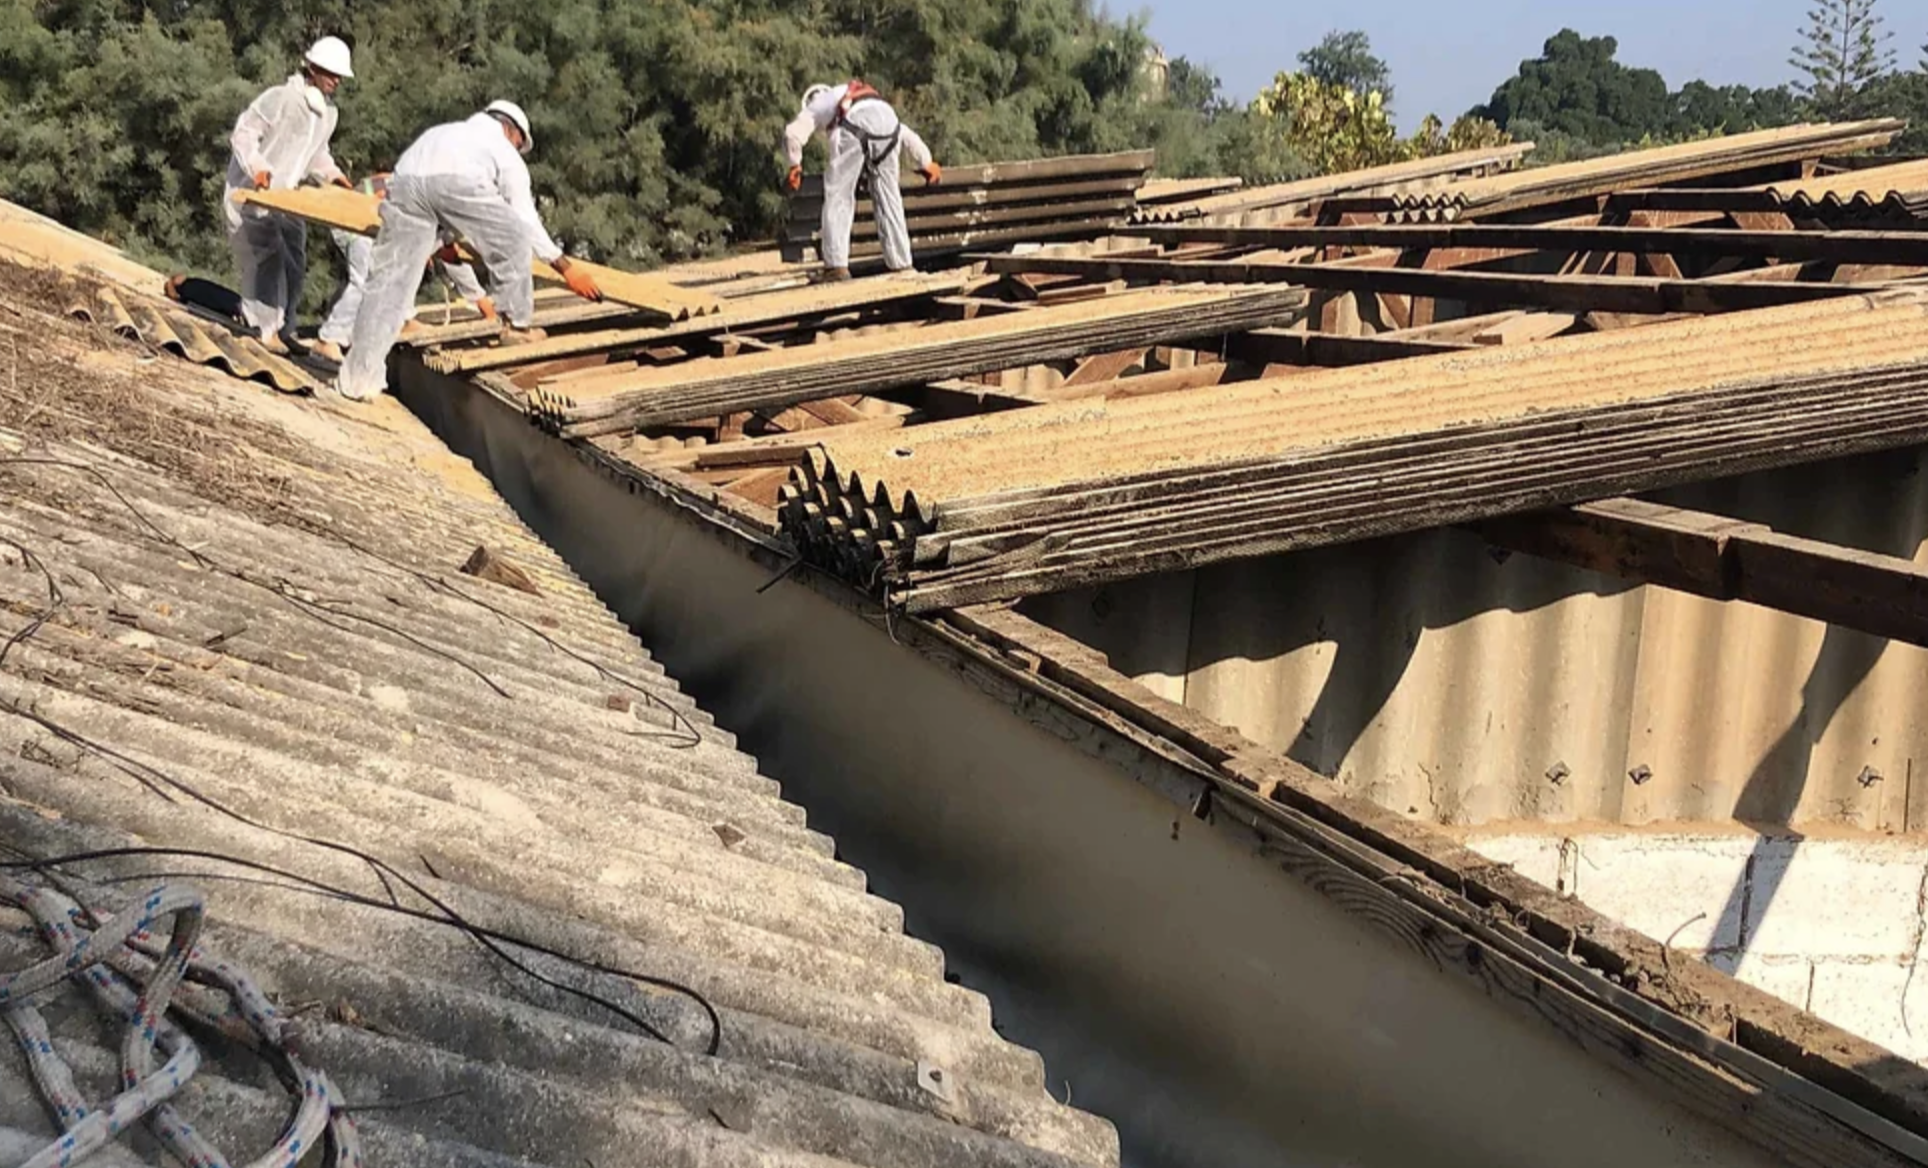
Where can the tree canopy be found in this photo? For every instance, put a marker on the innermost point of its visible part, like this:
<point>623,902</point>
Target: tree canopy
<point>1345,60</point>
<point>1842,50</point>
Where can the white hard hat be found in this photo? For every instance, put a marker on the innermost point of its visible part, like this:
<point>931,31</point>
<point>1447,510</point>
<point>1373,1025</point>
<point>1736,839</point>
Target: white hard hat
<point>330,54</point>
<point>813,93</point>
<point>513,112</point>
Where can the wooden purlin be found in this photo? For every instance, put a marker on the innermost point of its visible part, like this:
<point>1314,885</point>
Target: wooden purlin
<point>1630,294</point>
<point>1723,558</point>
<point>870,364</point>
<point>359,213</point>
<point>792,304</point>
<point>1841,247</point>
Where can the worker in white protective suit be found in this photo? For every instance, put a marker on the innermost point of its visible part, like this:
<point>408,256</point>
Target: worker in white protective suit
<point>867,140</point>
<point>338,330</point>
<point>467,178</point>
<point>279,142</point>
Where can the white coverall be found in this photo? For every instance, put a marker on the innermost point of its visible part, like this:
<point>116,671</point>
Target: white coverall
<point>850,157</point>
<point>339,328</point>
<point>462,177</point>
<point>281,134</point>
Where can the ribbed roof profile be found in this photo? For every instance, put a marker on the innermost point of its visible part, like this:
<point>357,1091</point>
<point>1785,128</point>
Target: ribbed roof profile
<point>234,634</point>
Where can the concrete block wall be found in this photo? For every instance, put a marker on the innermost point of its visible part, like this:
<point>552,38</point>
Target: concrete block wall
<point>1834,925</point>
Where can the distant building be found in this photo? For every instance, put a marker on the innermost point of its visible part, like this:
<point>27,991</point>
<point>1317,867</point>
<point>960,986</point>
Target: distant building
<point>1157,72</point>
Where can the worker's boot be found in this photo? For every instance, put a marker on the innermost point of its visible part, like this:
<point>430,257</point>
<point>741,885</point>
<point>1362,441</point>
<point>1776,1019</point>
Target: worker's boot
<point>523,336</point>
<point>328,351</point>
<point>835,275</point>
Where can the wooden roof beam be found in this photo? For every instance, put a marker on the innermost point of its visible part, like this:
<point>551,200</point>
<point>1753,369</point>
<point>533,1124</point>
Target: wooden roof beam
<point>1559,293</point>
<point>1841,247</point>
<point>1728,559</point>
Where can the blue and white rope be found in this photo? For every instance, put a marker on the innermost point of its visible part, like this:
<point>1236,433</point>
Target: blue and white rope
<point>113,957</point>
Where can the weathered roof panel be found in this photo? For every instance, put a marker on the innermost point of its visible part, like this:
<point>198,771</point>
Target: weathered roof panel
<point>258,602</point>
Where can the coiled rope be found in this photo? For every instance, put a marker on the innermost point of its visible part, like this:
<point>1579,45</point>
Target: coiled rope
<point>139,979</point>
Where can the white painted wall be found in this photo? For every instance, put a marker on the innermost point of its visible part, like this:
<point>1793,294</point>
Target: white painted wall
<point>1834,925</point>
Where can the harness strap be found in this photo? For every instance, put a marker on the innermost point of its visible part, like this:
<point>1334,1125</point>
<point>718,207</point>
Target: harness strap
<point>877,147</point>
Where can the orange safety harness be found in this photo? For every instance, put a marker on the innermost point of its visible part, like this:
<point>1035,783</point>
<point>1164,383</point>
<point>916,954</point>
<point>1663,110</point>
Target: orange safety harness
<point>877,147</point>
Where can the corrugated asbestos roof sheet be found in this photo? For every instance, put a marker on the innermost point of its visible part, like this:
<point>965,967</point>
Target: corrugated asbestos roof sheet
<point>204,587</point>
<point>1899,191</point>
<point>1656,167</point>
<point>1295,196</point>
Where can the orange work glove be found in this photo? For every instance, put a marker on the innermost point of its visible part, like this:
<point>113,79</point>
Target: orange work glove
<point>261,180</point>
<point>486,307</point>
<point>341,180</point>
<point>933,174</point>
<point>580,282</point>
<point>794,180</point>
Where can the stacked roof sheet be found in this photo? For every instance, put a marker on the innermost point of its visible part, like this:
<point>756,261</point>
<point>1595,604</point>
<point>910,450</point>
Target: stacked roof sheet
<point>1290,198</point>
<point>234,629</point>
<point>1059,496</point>
<point>1876,195</point>
<point>994,204</point>
<point>1551,185</point>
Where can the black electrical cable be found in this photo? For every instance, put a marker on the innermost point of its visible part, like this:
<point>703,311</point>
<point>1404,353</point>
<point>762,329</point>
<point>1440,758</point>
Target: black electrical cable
<point>691,737</point>
<point>160,782</point>
<point>281,588</point>
<point>55,598</point>
<point>489,939</point>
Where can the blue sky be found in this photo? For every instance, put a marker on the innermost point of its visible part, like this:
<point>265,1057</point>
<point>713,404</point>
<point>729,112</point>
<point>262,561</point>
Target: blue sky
<point>1447,55</point>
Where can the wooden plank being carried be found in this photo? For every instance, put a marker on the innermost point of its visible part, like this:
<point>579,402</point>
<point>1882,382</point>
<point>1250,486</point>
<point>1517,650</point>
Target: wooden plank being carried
<point>354,211</point>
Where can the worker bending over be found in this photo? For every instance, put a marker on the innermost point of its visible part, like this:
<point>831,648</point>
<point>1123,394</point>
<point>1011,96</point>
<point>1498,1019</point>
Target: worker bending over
<point>866,140</point>
<point>338,331</point>
<point>279,142</point>
<point>467,178</point>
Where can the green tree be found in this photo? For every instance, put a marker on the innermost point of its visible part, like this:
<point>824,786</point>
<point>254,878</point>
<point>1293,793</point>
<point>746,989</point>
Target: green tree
<point>1905,96</point>
<point>655,121</point>
<point>1345,59</point>
<point>1197,132</point>
<point>1735,109</point>
<point>1328,128</point>
<point>1195,87</point>
<point>1841,52</point>
<point>1577,88</point>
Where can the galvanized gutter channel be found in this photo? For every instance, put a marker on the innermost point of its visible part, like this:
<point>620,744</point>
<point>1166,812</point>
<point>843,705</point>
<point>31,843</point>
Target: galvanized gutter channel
<point>1197,973</point>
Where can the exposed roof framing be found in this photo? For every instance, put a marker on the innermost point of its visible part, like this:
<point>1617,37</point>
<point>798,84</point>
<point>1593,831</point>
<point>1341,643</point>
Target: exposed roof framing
<point>999,509</point>
<point>1572,293</point>
<point>1728,559</point>
<point>631,399</point>
<point>1841,247</point>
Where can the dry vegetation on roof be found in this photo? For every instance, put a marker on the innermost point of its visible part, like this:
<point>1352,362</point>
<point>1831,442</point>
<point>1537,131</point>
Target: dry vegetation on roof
<point>60,383</point>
